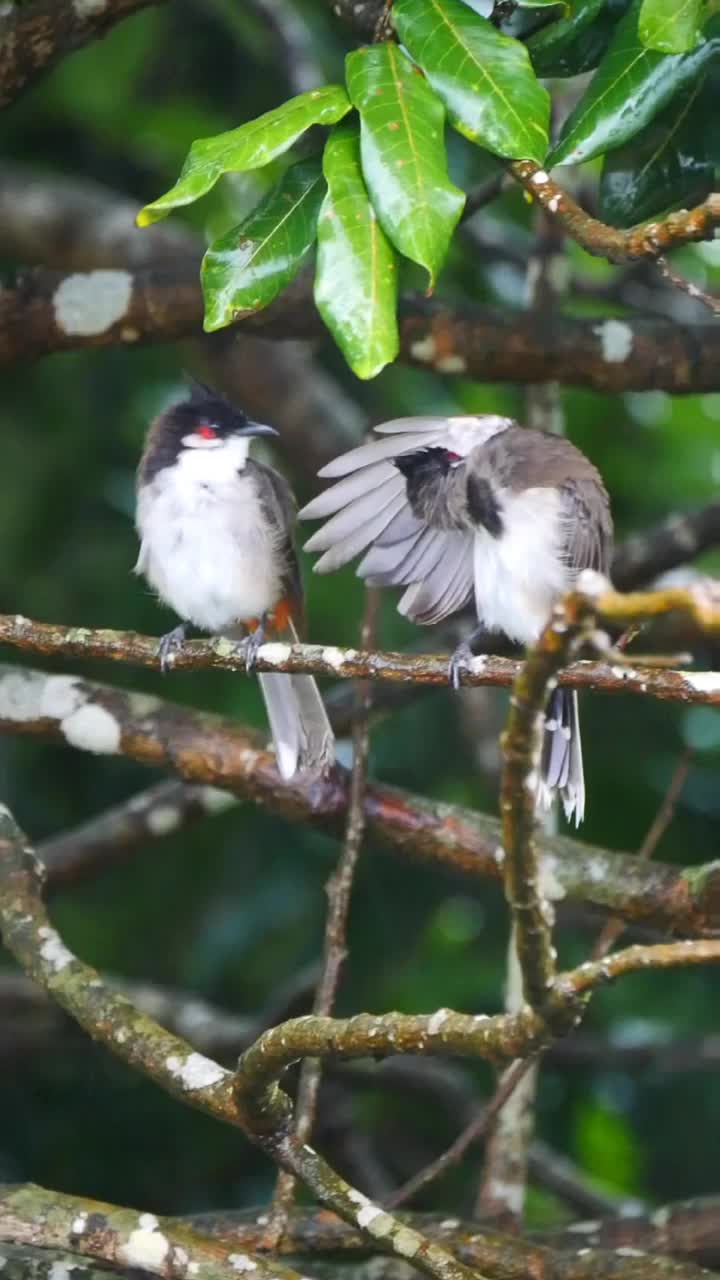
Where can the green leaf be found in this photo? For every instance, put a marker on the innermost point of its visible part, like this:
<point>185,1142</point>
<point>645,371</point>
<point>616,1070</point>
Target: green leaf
<point>484,78</point>
<point>250,146</point>
<point>574,43</point>
<point>664,167</point>
<point>356,277</point>
<point>670,26</point>
<point>402,148</point>
<point>631,85</point>
<point>245,269</point>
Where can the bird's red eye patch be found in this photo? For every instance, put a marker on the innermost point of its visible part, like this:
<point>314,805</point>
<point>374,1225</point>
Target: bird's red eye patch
<point>206,431</point>
<point>453,457</point>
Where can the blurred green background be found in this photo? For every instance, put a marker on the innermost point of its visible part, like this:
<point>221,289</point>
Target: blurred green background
<point>232,909</point>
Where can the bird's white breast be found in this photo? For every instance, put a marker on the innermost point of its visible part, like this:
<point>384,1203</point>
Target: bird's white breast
<point>207,546</point>
<point>520,574</point>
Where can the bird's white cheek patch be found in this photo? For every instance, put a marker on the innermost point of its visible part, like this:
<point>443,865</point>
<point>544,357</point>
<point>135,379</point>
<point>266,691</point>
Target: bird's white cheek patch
<point>195,441</point>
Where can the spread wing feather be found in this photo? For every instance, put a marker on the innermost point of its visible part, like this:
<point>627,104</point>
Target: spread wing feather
<point>353,486</point>
<point>369,511</point>
<point>446,588</point>
<point>376,450</point>
<point>367,508</point>
<point>355,541</point>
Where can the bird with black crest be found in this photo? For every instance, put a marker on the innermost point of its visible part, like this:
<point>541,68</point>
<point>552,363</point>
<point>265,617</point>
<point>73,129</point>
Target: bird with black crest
<point>217,545</point>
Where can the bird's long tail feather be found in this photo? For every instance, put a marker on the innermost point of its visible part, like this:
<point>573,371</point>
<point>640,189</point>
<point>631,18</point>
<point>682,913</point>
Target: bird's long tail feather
<point>301,731</point>
<point>561,762</point>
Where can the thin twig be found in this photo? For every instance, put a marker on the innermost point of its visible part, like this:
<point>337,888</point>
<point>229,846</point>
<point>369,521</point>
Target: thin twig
<point>614,928</point>
<point>339,889</point>
<point>478,1128</point>
<point>686,286</point>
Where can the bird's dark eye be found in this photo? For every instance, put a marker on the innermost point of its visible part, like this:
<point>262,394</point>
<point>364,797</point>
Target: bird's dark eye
<point>206,431</point>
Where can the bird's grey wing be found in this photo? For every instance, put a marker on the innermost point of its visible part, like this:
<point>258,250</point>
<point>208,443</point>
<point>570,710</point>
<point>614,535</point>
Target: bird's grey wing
<point>588,526</point>
<point>279,507</point>
<point>369,511</point>
<point>447,587</point>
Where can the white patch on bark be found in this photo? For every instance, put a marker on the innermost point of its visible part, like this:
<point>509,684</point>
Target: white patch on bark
<point>214,800</point>
<point>91,302</point>
<point>89,8</point>
<point>703,681</point>
<point>407,1242</point>
<point>375,1221</point>
<point>165,818</point>
<point>616,340</point>
<point>336,658</point>
<point>195,1071</point>
<point>424,349</point>
<point>452,363</point>
<point>54,950</point>
<point>550,886</point>
<point>92,728</point>
<point>274,653</point>
<point>145,1248</point>
<point>510,1194</point>
<point>27,695</point>
<point>437,1021</point>
<point>241,1262</point>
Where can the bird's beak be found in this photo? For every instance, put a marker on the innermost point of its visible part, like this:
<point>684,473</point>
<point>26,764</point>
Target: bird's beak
<point>258,429</point>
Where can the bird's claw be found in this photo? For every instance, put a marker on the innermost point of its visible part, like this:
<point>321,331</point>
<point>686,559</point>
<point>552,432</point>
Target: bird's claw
<point>249,647</point>
<point>460,661</point>
<point>170,645</point>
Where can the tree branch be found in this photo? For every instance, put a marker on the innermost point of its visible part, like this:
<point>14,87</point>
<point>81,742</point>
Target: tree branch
<point>688,1230</point>
<point>108,838</point>
<point>339,889</point>
<point>208,749</point>
<point>647,240</point>
<point>252,1100</point>
<point>48,311</point>
<point>196,1080</point>
<point>122,1237</point>
<point>48,639</point>
<point>34,36</point>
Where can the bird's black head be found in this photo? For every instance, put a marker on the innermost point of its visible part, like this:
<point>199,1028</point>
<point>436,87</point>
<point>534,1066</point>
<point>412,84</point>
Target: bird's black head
<point>205,420</point>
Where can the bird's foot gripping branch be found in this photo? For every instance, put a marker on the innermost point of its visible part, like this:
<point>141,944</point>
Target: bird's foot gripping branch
<point>252,1097</point>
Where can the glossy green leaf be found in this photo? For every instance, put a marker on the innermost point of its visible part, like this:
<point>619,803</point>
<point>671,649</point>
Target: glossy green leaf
<point>245,269</point>
<point>544,4</point>
<point>250,146</point>
<point>402,148</point>
<point>631,85</point>
<point>664,167</point>
<point>356,277</point>
<point>484,78</point>
<point>670,26</point>
<point>575,42</point>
